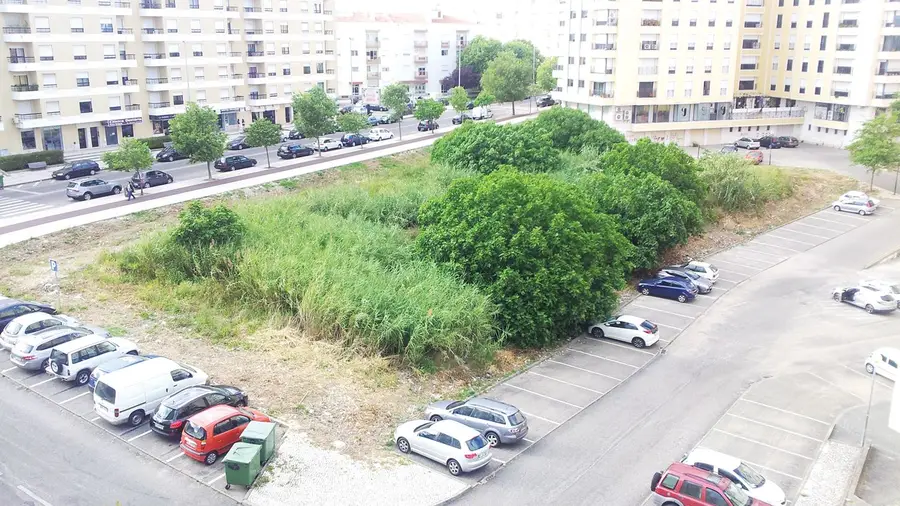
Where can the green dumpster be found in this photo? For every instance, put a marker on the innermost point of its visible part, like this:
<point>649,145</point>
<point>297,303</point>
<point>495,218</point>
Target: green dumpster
<point>263,434</point>
<point>242,464</point>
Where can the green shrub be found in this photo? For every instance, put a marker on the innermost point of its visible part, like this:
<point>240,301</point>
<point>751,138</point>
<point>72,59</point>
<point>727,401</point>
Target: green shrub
<point>19,162</point>
<point>156,142</point>
<point>667,161</point>
<point>201,226</point>
<point>736,185</point>
<point>486,146</point>
<point>571,129</point>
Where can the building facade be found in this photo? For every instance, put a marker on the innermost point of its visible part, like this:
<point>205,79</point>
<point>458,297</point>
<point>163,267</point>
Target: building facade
<point>702,72</point>
<point>85,73</point>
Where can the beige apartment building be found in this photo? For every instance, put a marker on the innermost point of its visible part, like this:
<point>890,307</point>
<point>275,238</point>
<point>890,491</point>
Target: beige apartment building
<point>82,74</point>
<point>706,72</point>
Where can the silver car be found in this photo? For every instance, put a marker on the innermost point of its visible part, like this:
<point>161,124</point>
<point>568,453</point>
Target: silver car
<point>90,188</point>
<point>497,421</point>
<point>33,351</point>
<point>703,285</point>
<point>859,205</point>
<point>746,143</point>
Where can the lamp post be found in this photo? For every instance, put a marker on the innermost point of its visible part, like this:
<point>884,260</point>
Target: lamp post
<point>459,63</point>
<point>186,76</point>
<point>533,76</point>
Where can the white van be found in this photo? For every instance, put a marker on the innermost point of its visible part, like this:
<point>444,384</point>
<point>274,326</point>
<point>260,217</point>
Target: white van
<point>133,393</point>
<point>481,113</point>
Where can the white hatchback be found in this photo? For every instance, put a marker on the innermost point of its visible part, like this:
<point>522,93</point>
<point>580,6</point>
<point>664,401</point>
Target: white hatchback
<point>462,449</point>
<point>883,362</point>
<point>630,329</point>
<point>741,474</point>
<point>380,134</point>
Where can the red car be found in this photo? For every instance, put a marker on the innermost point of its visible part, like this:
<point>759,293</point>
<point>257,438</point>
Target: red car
<point>755,157</point>
<point>691,486</point>
<point>211,432</point>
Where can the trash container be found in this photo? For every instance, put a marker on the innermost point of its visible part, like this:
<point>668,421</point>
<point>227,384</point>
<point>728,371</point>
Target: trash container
<point>242,464</point>
<point>263,434</point>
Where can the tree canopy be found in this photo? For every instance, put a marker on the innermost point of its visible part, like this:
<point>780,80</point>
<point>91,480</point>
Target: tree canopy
<point>314,113</point>
<point>545,80</point>
<point>131,154</point>
<point>468,80</point>
<point>507,78</point>
<point>479,52</point>
<point>875,146</point>
<point>484,99</point>
<point>486,146</point>
<point>395,97</point>
<point>459,99</point>
<point>195,133</point>
<point>353,123</point>
<point>524,50</point>
<point>667,161</point>
<point>429,110</point>
<point>263,132</point>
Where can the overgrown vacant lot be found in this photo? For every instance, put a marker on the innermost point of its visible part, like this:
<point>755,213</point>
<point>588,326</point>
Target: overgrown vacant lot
<point>327,316</point>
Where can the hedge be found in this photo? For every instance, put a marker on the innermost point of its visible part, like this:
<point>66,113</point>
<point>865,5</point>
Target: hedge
<point>19,162</point>
<point>156,142</point>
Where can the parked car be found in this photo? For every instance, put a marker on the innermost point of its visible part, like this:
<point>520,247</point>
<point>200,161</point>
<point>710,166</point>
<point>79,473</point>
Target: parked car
<point>151,178</point>
<point>11,309</point>
<point>754,156</point>
<point>174,410</point>
<point>77,168</point>
<point>858,195</point>
<point>327,145</point>
<point>237,143</point>
<point>861,206</point>
<point>380,134</point>
<point>115,365</point>
<point>670,288</point>
<point>703,285</point>
<point>705,270</point>
<point>870,299</point>
<point>293,151</point>
<point>740,473</point>
<point>684,485</point>
<point>425,126</point>
<point>293,135</point>
<point>349,140</point>
<point>769,141</point>
<point>76,359</point>
<point>373,120</point>
<point>883,362</point>
<point>498,422</point>
<point>31,323</point>
<point>229,163</point>
<point>746,143</point>
<point>169,154</point>
<point>211,432</point>
<point>787,141</point>
<point>32,352</point>
<point>479,113</point>
<point>377,107</point>
<point>89,188</point>
<point>460,118</point>
<point>462,449</point>
<point>546,101</point>
<point>728,148</point>
<point>884,286</point>
<point>626,328</point>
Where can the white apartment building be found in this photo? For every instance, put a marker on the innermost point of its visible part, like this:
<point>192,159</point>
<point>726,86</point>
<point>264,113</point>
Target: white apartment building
<point>710,71</point>
<point>85,73</point>
<point>417,49</point>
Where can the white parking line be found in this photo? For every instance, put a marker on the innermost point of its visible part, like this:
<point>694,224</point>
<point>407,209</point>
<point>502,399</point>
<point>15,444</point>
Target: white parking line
<point>733,282</point>
<point>760,466</point>
<point>662,311</point>
<point>770,234</point>
<point>679,329</point>
<point>757,241</point>
<point>843,223</point>
<point>717,260</point>
<point>807,225</point>
<point>95,419</point>
<point>32,495</point>
<point>498,460</point>
<point>805,233</point>
<point>617,345</point>
<point>181,454</point>
<point>885,207</point>
<point>39,383</point>
<point>82,394</point>
<point>878,380</point>
<point>762,444</point>
<point>217,478</point>
<point>530,415</point>
<point>784,411</point>
<point>566,383</point>
<point>836,387</point>
<point>767,263</point>
<point>751,250</point>
<point>544,396</point>
<point>4,371</point>
<point>602,358</point>
<point>757,422</point>
<point>142,434</point>
<point>853,216</point>
<point>587,370</point>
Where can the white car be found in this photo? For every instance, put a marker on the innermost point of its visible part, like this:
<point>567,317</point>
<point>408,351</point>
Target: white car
<point>76,359</point>
<point>883,362</point>
<point>742,475</point>
<point>31,323</point>
<point>462,449</point>
<point>705,270</point>
<point>380,134</point>
<point>327,145</point>
<point>884,286</point>
<point>870,299</point>
<point>859,195</point>
<point>630,329</point>
<point>746,143</point>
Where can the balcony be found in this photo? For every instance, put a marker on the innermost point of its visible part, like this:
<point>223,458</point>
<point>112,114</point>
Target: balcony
<point>601,93</point>
<point>846,47</point>
<point>840,94</point>
<point>886,72</point>
<point>601,70</point>
<point>649,46</point>
<point>848,23</point>
<point>752,24</point>
<point>755,3</point>
<point>605,47</point>
<point>158,105</point>
<point>749,66</point>
<point>648,71</point>
<point>421,59</point>
<point>646,93</point>
<point>606,22</point>
<point>16,30</point>
<point>24,87</point>
<point>650,22</point>
<point>886,96</point>
<point>843,70</point>
<point>750,44</point>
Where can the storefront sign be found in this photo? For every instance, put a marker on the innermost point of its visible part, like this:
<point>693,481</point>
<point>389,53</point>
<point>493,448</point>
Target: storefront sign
<point>121,121</point>
<point>233,109</point>
<point>162,117</point>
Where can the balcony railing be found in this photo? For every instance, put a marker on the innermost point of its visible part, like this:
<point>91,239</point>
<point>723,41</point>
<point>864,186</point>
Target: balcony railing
<point>599,70</point>
<point>846,47</point>
<point>840,93</point>
<point>255,53</point>
<point>152,30</point>
<point>601,93</point>
<point>886,96</point>
<point>646,94</point>
<point>133,107</point>
<point>24,87</point>
<point>748,66</point>
<point>650,22</point>
<point>237,76</point>
<point>154,56</point>
<point>420,43</point>
<point>151,5</point>
<point>606,22</point>
<point>752,24</point>
<point>156,80</point>
<point>605,47</point>
<point>886,72</point>
<point>740,114</point>
<point>27,116</point>
<point>126,56</point>
<point>20,59</point>
<point>648,70</point>
<point>848,23</point>
<point>16,29</point>
<point>124,31</point>
<point>255,75</point>
<point>843,70</point>
<point>158,105</point>
<point>747,44</point>
<point>649,46</point>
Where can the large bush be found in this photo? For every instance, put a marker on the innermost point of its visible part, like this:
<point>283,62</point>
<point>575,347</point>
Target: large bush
<point>667,161</point>
<point>486,146</point>
<point>571,129</point>
<point>736,185</point>
<point>537,245</point>
<point>201,226</point>
<point>156,142</point>
<point>19,162</point>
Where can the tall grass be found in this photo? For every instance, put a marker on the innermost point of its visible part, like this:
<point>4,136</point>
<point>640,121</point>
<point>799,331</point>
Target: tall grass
<point>735,185</point>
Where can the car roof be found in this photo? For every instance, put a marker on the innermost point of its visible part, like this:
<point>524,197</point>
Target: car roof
<point>687,470</point>
<point>215,414</point>
<point>492,404</point>
<point>29,318</point>
<point>888,351</point>
<point>52,333</point>
<point>188,394</point>
<point>81,342</point>
<point>5,303</point>
<point>631,319</point>
<point>455,430</point>
<point>122,362</point>
<point>715,458</point>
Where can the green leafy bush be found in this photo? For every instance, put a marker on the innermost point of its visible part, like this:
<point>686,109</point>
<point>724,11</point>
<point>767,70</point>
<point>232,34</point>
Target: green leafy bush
<point>201,226</point>
<point>571,129</point>
<point>19,162</point>
<point>486,146</point>
<point>667,161</point>
<point>156,142</point>
<point>736,185</point>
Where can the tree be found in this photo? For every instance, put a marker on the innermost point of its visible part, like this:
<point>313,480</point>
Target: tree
<point>201,226</point>
<point>486,147</point>
<point>565,126</point>
<point>131,154</point>
<point>479,52</point>
<point>263,132</point>
<point>541,251</point>
<point>667,161</point>
<point>459,99</point>
<point>484,99</point>
<point>429,110</point>
<point>524,50</point>
<point>314,113</point>
<point>507,78</point>
<point>468,80</point>
<point>602,138</point>
<point>545,79</point>
<point>876,147</point>
<point>395,97</point>
<point>353,123</point>
<point>196,133</point>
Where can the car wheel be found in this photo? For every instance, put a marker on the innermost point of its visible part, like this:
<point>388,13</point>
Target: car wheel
<point>67,176</point>
<point>836,297</point>
<point>240,147</point>
<point>492,438</point>
<point>170,180</point>
<point>837,208</point>
<point>211,458</point>
<point>93,172</point>
<point>870,309</point>
<point>170,159</point>
<point>682,298</point>
<point>242,403</point>
<point>645,291</point>
<point>403,445</point>
<point>638,343</point>
<point>435,418</point>
<point>870,368</point>
<point>146,185</point>
<point>231,168</point>
<point>862,213</point>
<point>453,467</point>
<point>136,418</point>
<point>86,196</point>
<point>597,332</point>
<point>117,190</point>
<point>83,376</point>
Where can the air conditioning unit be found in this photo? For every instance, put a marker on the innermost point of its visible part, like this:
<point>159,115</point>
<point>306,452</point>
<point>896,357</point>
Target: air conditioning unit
<point>619,116</point>
<point>647,45</point>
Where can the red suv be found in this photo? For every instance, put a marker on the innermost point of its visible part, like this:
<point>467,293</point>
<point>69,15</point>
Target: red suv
<point>684,485</point>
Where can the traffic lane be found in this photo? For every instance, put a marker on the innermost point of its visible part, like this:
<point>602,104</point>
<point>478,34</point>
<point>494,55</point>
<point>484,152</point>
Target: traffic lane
<point>60,458</point>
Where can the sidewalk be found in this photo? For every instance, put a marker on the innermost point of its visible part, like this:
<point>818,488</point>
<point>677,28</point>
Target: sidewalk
<point>17,177</point>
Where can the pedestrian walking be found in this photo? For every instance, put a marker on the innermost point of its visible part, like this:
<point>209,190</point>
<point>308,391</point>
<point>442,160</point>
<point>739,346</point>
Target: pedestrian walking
<point>129,193</point>
<point>131,189</point>
<point>2,176</point>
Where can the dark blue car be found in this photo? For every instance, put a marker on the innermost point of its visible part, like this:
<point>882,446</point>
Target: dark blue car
<point>12,308</point>
<point>670,288</point>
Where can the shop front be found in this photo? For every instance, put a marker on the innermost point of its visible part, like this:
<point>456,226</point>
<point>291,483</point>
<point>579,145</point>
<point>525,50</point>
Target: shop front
<point>161,123</point>
<point>228,119</point>
<point>111,129</point>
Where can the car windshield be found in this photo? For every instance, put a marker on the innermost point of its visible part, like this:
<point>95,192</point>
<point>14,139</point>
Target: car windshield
<point>476,443</point>
<point>737,495</point>
<point>73,184</point>
<point>692,275</point>
<point>23,347</point>
<point>195,431</point>
<point>67,166</point>
<point>749,475</point>
<point>13,328</point>
<point>713,268</point>
<point>887,298</point>
<point>105,392</point>
<point>648,325</point>
<point>516,418</point>
<point>59,356</point>
<point>165,412</point>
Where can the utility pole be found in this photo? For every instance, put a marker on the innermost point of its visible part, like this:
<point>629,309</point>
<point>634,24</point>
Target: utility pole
<point>459,63</point>
<point>350,57</point>
<point>187,76</point>
<point>533,76</point>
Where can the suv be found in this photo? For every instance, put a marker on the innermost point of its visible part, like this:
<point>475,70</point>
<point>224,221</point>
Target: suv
<point>349,140</point>
<point>293,151</point>
<point>90,188</point>
<point>11,309</point>
<point>546,101</point>
<point>427,125</point>
<point>234,162</point>
<point>32,353</point>
<point>498,421</point>
<point>788,141</point>
<point>685,485</point>
<point>76,359</point>
<point>741,474</point>
<point>77,168</point>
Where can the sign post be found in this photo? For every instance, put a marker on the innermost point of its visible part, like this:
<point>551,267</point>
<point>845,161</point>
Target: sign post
<point>54,268</point>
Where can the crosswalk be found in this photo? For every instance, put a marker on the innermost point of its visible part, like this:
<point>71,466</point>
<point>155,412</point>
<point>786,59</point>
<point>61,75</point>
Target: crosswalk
<point>10,207</point>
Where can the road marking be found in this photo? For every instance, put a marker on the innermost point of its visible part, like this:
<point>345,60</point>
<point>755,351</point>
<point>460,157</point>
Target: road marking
<point>604,358</point>
<point>770,234</point>
<point>754,464</point>
<point>755,252</point>
<point>679,329</point>
<point>73,398</point>
<point>585,370</point>
<point>839,232</point>
<point>606,342</point>
<point>811,235</point>
<point>878,380</point>
<point>32,495</point>
<point>530,415</point>
<point>717,260</point>
<point>775,427</point>
<point>885,207</point>
<point>842,223</point>
<point>217,478</point>
<point>844,214</point>
<point>544,396</point>
<point>95,419</point>
<point>142,434</point>
<point>527,440</point>
<point>762,444</point>
<point>4,371</point>
<point>179,454</point>
<point>823,380</point>
<point>757,241</point>
<point>25,191</point>
<point>498,460</point>
<point>784,411</point>
<point>39,383</point>
<point>663,311</point>
<point>768,263</point>
<point>566,383</point>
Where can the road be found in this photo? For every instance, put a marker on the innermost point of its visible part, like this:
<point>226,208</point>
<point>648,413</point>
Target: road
<point>48,457</point>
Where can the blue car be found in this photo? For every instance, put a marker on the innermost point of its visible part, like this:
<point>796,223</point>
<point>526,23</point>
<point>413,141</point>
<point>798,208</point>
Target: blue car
<point>115,365</point>
<point>670,288</point>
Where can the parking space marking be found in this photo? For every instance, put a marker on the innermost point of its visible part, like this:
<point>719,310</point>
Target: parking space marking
<point>179,454</point>
<point>767,263</point>
<point>886,207</point>
<point>749,248</point>
<point>838,232</point>
<point>668,326</point>
<point>842,223</point>
<point>544,396</point>
<point>566,383</point>
<point>7,370</point>
<point>82,394</point>
<point>142,434</point>
<point>527,440</point>
<point>718,261</point>
<point>806,233</point>
<point>733,282</point>
<point>603,358</point>
<point>617,345</point>
<point>829,383</point>
<point>878,380</point>
<point>39,383</point>
<point>757,241</point>
<point>585,370</point>
<point>770,234</point>
<point>217,478</point>
<point>663,311</point>
<point>498,460</point>
<point>846,215</point>
<point>95,419</point>
<point>754,464</point>
<point>761,443</point>
<point>531,415</point>
<point>757,422</point>
<point>742,399</point>
<point>32,495</point>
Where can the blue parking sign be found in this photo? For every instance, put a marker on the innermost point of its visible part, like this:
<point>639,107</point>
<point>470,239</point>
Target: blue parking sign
<point>54,267</point>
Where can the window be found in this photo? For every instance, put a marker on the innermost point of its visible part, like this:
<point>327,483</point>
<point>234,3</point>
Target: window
<point>445,52</point>
<point>178,99</point>
<point>109,52</point>
<point>79,52</point>
<point>820,67</point>
<point>669,481</point>
<point>112,78</point>
<point>307,69</point>
<point>778,21</point>
<point>822,42</point>
<point>804,67</point>
<point>583,37</point>
<point>86,107</point>
<point>195,26</point>
<point>320,68</point>
<point>42,25</point>
<point>199,73</point>
<point>571,60</point>
<point>825,20</point>
<point>793,21</point>
<point>691,489</point>
<point>77,25</point>
<point>106,25</point>
<point>28,140</point>
<point>463,411</point>
<point>715,498</point>
<point>180,374</point>
<point>82,79</point>
<point>790,64</point>
<point>223,427</point>
<point>581,83</point>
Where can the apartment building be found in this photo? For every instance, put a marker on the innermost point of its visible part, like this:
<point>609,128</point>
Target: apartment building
<point>416,49</point>
<point>85,73</point>
<point>710,71</point>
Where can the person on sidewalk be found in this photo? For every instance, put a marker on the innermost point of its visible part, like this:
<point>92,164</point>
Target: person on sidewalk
<point>129,193</point>
<point>2,176</point>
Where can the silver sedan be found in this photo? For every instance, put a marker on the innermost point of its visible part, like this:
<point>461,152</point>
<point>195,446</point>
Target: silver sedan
<point>33,351</point>
<point>747,143</point>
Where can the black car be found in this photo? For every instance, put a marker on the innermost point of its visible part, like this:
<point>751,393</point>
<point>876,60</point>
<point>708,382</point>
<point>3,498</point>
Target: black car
<point>77,168</point>
<point>151,178</point>
<point>546,101</point>
<point>174,410</point>
<point>769,141</point>
<point>377,107</point>
<point>470,105</point>
<point>425,126</point>
<point>294,151</point>
<point>13,308</point>
<point>239,143</point>
<point>293,135</point>
<point>354,140</point>
<point>788,141</point>
<point>460,118</point>
<point>168,154</point>
<point>234,162</point>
